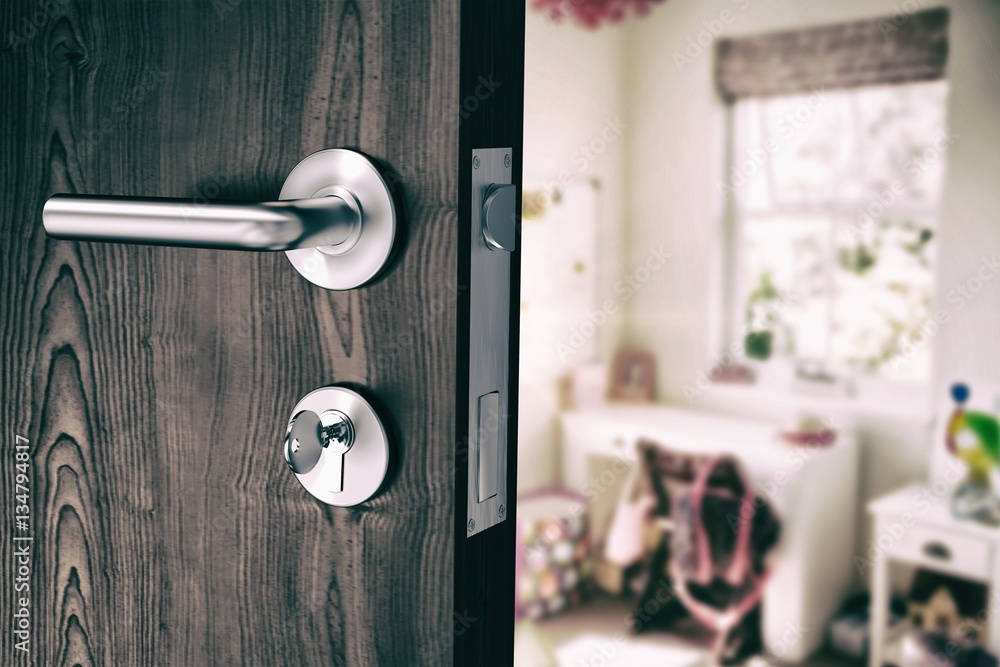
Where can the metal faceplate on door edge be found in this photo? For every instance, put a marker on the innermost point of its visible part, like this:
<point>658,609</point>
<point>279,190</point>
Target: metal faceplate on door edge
<point>489,346</point>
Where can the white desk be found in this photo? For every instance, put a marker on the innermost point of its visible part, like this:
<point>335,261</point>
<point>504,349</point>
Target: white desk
<point>914,526</point>
<point>813,490</point>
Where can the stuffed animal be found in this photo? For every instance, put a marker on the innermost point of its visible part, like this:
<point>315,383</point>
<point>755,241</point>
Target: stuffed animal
<point>946,622</point>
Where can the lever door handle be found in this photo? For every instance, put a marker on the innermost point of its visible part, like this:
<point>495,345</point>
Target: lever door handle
<point>303,223</point>
<point>336,220</point>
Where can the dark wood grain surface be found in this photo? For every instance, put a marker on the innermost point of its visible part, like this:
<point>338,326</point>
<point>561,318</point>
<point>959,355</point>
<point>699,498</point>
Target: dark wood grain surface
<point>154,383</point>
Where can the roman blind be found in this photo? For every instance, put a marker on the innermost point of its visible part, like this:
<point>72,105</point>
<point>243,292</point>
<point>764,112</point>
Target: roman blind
<point>901,48</point>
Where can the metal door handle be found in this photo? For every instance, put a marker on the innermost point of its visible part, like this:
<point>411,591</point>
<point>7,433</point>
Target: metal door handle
<point>303,223</point>
<point>336,221</point>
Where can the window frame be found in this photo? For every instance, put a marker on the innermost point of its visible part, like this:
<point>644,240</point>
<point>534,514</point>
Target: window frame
<point>875,385</point>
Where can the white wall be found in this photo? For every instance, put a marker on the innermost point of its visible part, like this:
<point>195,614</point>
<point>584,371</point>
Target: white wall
<point>968,345</point>
<point>573,89</point>
<point>674,155</point>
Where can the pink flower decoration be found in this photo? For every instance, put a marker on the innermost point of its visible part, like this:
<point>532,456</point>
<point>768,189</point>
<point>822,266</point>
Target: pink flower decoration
<point>591,13</point>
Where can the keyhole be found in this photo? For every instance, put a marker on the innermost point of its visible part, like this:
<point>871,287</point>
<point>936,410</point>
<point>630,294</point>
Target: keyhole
<point>337,431</point>
<point>333,428</point>
<point>337,436</point>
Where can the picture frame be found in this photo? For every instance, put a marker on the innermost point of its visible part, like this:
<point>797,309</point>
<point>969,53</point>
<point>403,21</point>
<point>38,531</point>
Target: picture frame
<point>633,377</point>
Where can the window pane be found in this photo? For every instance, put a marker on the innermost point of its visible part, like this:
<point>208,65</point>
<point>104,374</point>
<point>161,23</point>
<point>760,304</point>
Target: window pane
<point>884,286</point>
<point>796,151</point>
<point>903,142</point>
<point>785,283</point>
<point>831,149</point>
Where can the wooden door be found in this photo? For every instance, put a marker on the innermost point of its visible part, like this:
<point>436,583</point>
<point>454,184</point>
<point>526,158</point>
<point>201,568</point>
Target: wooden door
<point>150,387</point>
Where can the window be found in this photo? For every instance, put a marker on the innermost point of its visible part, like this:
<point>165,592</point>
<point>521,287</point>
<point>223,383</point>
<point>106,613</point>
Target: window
<point>835,204</point>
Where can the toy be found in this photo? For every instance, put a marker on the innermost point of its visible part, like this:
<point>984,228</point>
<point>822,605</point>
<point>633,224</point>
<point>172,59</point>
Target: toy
<point>947,605</point>
<point>974,437</point>
<point>553,554</point>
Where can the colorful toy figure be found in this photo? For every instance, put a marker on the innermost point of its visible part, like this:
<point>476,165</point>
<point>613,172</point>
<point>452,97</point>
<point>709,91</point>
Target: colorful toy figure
<point>974,437</point>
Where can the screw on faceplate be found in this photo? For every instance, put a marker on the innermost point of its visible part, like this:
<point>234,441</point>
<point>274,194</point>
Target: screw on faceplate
<point>506,160</point>
<point>472,525</point>
<point>475,165</point>
<point>503,511</point>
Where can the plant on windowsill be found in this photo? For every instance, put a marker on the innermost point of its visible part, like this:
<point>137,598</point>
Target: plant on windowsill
<point>762,318</point>
<point>758,345</point>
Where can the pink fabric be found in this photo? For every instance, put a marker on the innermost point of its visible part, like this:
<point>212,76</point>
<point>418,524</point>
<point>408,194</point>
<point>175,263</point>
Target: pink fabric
<point>739,567</point>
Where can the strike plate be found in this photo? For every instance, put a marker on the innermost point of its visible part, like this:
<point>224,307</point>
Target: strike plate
<point>489,346</point>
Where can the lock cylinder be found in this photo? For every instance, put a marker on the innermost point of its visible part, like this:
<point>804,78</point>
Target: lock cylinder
<point>337,446</point>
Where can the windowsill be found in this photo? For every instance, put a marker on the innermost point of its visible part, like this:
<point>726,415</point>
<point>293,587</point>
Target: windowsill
<point>886,402</point>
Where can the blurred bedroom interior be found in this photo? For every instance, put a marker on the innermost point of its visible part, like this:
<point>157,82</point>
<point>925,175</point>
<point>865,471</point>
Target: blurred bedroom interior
<point>758,375</point>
